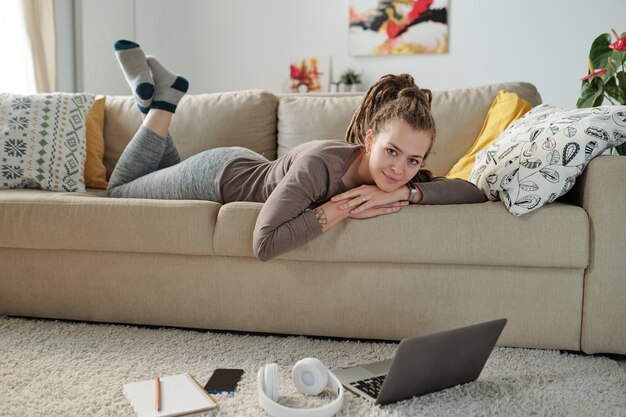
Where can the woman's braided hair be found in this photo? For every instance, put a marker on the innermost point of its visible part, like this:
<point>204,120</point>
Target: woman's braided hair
<point>394,97</point>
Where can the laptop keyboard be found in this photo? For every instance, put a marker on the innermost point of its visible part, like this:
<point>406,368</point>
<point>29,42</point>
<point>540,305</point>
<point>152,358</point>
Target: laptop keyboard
<point>370,386</point>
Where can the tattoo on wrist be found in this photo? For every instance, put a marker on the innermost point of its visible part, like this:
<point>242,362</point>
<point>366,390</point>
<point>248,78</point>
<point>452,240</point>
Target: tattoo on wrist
<point>321,216</point>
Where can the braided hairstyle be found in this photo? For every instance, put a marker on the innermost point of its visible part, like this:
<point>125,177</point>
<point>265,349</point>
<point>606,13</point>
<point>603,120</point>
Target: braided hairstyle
<point>394,97</point>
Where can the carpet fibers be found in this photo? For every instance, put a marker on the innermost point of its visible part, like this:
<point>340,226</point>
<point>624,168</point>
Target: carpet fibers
<point>53,368</point>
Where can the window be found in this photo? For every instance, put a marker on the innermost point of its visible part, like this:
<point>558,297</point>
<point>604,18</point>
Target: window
<point>16,67</point>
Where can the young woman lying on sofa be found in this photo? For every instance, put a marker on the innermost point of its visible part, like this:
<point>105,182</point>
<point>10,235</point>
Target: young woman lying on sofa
<point>307,191</point>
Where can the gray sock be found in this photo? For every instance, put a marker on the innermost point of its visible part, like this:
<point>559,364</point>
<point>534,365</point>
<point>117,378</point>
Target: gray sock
<point>169,87</point>
<point>135,68</point>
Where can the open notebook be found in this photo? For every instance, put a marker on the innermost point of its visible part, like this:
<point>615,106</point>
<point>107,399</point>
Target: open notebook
<point>180,396</point>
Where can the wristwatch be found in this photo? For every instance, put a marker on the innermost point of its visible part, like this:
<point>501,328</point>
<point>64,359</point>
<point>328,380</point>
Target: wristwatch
<point>413,193</point>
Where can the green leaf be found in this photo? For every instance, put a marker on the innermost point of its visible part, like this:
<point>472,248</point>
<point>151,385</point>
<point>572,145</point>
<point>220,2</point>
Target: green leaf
<point>591,93</point>
<point>612,84</point>
<point>611,88</point>
<point>600,53</point>
<point>614,62</point>
<point>621,149</point>
<point>621,80</point>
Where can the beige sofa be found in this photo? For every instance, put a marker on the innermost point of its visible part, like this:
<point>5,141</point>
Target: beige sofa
<point>556,274</point>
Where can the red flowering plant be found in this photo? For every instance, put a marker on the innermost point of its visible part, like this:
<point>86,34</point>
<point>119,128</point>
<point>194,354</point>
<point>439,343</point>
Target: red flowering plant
<point>606,80</point>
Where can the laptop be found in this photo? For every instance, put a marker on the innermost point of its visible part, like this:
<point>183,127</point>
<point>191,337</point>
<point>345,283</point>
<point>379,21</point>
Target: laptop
<point>425,364</point>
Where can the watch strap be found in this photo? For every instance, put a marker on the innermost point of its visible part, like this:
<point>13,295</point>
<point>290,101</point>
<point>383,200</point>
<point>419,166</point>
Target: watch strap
<point>413,192</point>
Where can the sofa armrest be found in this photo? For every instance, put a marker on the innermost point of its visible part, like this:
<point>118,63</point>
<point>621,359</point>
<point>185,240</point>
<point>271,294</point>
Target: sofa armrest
<point>601,191</point>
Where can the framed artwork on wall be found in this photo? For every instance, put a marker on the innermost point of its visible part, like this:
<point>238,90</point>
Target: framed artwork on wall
<point>309,74</point>
<point>398,27</point>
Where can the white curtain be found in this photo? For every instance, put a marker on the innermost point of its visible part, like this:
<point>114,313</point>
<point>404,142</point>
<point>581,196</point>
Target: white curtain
<point>16,67</point>
<point>41,31</point>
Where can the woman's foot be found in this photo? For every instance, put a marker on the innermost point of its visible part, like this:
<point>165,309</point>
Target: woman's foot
<point>169,88</point>
<point>135,67</point>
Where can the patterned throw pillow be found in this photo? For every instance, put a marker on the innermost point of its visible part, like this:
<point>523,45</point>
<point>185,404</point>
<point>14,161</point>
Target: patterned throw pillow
<point>537,159</point>
<point>42,141</point>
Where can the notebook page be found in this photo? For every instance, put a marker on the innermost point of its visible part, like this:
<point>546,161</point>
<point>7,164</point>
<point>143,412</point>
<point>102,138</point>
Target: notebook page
<point>180,395</point>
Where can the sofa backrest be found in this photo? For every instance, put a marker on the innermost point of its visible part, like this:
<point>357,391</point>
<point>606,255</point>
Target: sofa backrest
<point>302,117</point>
<point>203,121</point>
<point>459,116</point>
<point>273,124</point>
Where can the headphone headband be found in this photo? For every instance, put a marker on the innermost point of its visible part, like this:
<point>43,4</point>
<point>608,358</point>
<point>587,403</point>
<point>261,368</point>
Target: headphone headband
<point>279,410</point>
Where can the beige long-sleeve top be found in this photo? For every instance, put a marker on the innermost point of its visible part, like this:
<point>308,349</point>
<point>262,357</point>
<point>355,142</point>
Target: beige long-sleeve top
<point>304,178</point>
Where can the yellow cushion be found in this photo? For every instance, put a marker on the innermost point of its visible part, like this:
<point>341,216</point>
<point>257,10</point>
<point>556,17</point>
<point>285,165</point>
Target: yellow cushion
<point>95,172</point>
<point>505,109</point>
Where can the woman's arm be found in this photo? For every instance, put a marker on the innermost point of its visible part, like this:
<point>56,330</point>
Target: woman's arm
<point>438,191</point>
<point>285,222</point>
<point>442,190</point>
<point>331,213</point>
<point>366,197</point>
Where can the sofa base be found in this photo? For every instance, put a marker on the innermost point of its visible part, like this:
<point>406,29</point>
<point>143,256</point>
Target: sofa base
<point>543,305</point>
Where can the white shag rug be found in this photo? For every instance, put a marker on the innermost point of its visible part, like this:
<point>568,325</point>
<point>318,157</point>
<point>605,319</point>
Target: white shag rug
<point>56,368</point>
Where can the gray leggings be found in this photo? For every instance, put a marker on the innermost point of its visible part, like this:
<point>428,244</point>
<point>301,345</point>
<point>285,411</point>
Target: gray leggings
<point>150,167</point>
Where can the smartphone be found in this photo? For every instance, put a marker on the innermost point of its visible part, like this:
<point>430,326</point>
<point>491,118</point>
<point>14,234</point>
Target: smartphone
<point>223,380</point>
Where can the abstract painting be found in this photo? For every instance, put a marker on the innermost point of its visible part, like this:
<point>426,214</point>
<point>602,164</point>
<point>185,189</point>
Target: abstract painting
<point>309,74</point>
<point>398,27</point>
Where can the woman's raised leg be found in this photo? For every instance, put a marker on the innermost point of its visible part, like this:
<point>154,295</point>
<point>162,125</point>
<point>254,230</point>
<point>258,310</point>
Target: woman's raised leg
<point>151,149</point>
<point>136,71</point>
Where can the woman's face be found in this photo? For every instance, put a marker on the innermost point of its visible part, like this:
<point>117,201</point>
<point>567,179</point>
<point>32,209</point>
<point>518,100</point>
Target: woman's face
<point>396,153</point>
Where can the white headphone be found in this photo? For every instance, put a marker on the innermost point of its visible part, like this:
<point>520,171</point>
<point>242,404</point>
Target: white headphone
<point>310,377</point>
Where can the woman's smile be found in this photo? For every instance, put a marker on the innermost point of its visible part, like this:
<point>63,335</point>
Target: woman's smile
<point>391,179</point>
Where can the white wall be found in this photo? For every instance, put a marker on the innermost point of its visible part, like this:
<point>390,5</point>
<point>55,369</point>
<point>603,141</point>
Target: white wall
<point>222,45</point>
<point>64,13</point>
<point>98,25</point>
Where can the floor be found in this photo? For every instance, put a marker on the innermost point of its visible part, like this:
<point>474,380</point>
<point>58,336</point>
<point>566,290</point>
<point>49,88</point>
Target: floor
<point>620,359</point>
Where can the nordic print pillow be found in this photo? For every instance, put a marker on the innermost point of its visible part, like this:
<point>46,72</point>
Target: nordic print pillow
<point>537,159</point>
<point>42,141</point>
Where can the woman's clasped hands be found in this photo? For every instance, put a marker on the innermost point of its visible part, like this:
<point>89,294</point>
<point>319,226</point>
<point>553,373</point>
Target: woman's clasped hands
<point>368,201</point>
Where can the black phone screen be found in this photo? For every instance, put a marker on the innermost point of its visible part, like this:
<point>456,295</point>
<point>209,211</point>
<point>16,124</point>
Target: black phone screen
<point>223,380</point>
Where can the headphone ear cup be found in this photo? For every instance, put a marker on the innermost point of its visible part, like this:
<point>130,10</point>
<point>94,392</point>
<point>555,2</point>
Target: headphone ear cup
<point>271,381</point>
<point>310,376</point>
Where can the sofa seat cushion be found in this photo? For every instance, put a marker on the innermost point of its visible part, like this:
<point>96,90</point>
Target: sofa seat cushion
<point>36,219</point>
<point>466,234</point>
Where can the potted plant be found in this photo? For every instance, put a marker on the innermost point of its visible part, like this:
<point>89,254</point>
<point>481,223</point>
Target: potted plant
<point>606,80</point>
<point>351,79</point>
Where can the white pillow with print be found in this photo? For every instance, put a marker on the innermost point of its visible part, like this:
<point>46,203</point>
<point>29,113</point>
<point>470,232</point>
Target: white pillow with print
<point>537,158</point>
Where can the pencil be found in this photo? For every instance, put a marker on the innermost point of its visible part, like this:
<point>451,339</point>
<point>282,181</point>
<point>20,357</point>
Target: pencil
<point>157,393</point>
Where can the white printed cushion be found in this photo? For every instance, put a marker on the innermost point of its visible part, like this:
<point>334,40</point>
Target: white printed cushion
<point>42,141</point>
<point>537,159</point>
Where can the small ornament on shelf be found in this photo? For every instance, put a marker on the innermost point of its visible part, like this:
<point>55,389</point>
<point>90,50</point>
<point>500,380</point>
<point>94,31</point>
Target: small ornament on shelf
<point>350,80</point>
